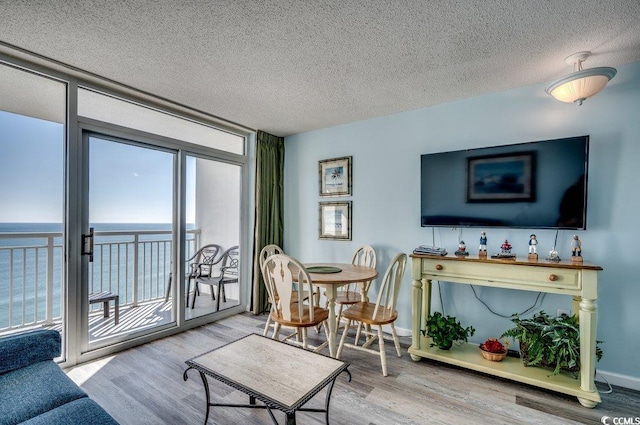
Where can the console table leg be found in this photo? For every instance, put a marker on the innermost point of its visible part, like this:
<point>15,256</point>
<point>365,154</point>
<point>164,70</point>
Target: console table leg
<point>587,403</point>
<point>588,316</point>
<point>416,316</point>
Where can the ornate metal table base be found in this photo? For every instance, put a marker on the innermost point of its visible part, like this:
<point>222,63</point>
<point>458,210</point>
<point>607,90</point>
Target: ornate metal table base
<point>237,363</point>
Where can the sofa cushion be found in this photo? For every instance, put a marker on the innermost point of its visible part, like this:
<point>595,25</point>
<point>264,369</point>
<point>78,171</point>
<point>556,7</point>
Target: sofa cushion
<point>33,390</point>
<point>25,348</point>
<point>83,411</point>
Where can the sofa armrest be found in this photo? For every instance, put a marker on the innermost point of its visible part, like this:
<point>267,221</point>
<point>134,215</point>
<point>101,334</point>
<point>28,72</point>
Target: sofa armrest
<point>23,349</point>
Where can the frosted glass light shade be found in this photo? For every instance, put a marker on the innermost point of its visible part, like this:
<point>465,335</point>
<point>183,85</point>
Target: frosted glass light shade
<point>581,85</point>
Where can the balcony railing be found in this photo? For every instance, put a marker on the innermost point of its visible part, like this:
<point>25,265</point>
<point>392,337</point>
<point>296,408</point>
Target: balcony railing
<point>133,264</point>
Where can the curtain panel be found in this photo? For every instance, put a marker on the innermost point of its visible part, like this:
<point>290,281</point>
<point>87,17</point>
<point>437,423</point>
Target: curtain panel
<point>269,212</point>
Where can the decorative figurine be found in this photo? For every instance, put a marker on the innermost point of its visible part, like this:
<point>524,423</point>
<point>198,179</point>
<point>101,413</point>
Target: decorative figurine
<point>506,247</point>
<point>482,249</point>
<point>533,247</point>
<point>462,250</point>
<point>505,251</point>
<point>533,242</point>
<point>576,249</point>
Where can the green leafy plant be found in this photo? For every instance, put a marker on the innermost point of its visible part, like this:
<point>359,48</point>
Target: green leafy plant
<point>549,341</point>
<point>445,330</point>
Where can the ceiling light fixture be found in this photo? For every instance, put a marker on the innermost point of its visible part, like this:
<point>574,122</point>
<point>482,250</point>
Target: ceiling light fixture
<point>580,84</point>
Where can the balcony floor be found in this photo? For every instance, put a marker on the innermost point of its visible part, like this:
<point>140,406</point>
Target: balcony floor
<point>144,317</point>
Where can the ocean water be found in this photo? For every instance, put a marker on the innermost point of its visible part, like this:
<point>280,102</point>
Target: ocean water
<point>24,266</point>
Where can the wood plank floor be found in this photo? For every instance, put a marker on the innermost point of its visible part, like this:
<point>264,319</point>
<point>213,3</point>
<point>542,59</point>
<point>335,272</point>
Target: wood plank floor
<point>144,385</point>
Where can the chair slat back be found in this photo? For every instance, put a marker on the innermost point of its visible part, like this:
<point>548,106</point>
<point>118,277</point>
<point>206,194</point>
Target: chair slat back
<point>267,252</point>
<point>279,271</point>
<point>364,256</point>
<point>390,287</point>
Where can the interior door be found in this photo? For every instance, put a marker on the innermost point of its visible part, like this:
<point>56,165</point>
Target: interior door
<point>128,237</point>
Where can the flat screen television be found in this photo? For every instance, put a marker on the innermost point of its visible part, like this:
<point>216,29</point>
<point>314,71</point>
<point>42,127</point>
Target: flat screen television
<point>534,185</point>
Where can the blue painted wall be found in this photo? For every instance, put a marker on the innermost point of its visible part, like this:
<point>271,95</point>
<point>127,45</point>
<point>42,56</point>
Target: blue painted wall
<point>386,201</point>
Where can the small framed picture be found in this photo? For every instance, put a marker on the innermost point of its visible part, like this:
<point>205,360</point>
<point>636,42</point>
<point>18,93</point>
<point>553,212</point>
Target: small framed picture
<point>501,178</point>
<point>335,220</point>
<point>335,176</point>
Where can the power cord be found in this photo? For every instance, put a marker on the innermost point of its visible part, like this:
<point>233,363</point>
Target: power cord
<point>539,299</point>
<point>610,390</point>
<point>441,302</point>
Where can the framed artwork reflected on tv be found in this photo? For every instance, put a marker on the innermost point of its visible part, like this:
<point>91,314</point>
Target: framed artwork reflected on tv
<point>497,178</point>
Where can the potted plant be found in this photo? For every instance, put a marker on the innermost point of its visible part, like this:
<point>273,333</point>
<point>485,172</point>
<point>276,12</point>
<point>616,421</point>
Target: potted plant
<point>494,350</point>
<point>549,341</point>
<point>445,330</point>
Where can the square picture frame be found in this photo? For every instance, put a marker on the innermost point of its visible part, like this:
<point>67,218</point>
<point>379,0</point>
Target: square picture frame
<point>335,176</point>
<point>501,178</point>
<point>334,220</point>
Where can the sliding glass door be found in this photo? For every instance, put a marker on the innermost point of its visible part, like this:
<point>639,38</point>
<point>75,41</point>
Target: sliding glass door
<point>213,191</point>
<point>105,199</point>
<point>127,239</point>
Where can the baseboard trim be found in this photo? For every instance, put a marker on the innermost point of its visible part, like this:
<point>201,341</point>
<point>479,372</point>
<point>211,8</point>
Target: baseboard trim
<point>625,381</point>
<point>399,331</point>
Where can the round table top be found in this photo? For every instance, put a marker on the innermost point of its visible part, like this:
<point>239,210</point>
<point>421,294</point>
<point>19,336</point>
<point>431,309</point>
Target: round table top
<point>349,273</point>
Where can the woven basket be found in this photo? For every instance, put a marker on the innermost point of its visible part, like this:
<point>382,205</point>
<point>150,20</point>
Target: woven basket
<point>494,357</point>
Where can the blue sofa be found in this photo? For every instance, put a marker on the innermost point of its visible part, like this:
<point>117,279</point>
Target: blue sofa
<point>33,388</point>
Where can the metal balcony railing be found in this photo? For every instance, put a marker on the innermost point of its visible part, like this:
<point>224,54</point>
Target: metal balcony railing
<point>133,264</point>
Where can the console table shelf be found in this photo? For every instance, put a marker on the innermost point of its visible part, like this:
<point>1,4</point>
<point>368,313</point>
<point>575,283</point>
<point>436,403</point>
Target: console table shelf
<point>577,280</point>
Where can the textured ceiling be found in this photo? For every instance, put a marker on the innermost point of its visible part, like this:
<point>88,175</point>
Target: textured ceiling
<point>291,66</point>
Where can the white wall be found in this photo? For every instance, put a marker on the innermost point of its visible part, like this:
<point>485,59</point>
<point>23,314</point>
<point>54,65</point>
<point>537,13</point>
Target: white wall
<point>386,200</point>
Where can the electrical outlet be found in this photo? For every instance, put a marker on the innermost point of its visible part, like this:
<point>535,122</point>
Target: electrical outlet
<point>562,311</point>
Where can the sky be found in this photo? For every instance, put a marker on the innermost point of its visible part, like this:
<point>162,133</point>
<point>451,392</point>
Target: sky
<point>127,183</point>
<point>31,173</point>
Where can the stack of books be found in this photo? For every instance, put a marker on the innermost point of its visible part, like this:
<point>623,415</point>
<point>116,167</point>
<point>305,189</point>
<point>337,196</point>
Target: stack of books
<point>430,250</point>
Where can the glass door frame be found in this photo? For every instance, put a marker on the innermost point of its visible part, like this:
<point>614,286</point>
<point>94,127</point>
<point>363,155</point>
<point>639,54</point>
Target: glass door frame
<point>79,159</point>
<point>86,344</point>
<point>74,126</point>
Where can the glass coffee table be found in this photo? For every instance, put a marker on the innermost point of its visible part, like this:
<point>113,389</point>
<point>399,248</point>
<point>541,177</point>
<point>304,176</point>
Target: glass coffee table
<point>281,376</point>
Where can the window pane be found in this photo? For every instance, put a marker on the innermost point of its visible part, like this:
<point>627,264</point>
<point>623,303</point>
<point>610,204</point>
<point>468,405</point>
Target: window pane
<point>32,141</point>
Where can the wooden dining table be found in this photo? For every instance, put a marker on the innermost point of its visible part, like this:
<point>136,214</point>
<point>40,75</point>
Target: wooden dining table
<point>331,282</point>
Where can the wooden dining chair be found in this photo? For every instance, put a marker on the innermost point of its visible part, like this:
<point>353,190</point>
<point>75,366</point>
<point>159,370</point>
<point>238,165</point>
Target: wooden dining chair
<point>382,312</point>
<point>355,292</point>
<point>292,309</point>
<point>265,253</point>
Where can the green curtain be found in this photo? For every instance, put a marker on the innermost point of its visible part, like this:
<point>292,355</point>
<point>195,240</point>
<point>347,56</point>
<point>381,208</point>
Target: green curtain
<point>269,213</point>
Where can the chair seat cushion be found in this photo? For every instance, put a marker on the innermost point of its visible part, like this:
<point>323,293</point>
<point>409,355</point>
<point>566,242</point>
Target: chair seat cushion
<point>363,312</point>
<point>32,390</point>
<point>319,315</point>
